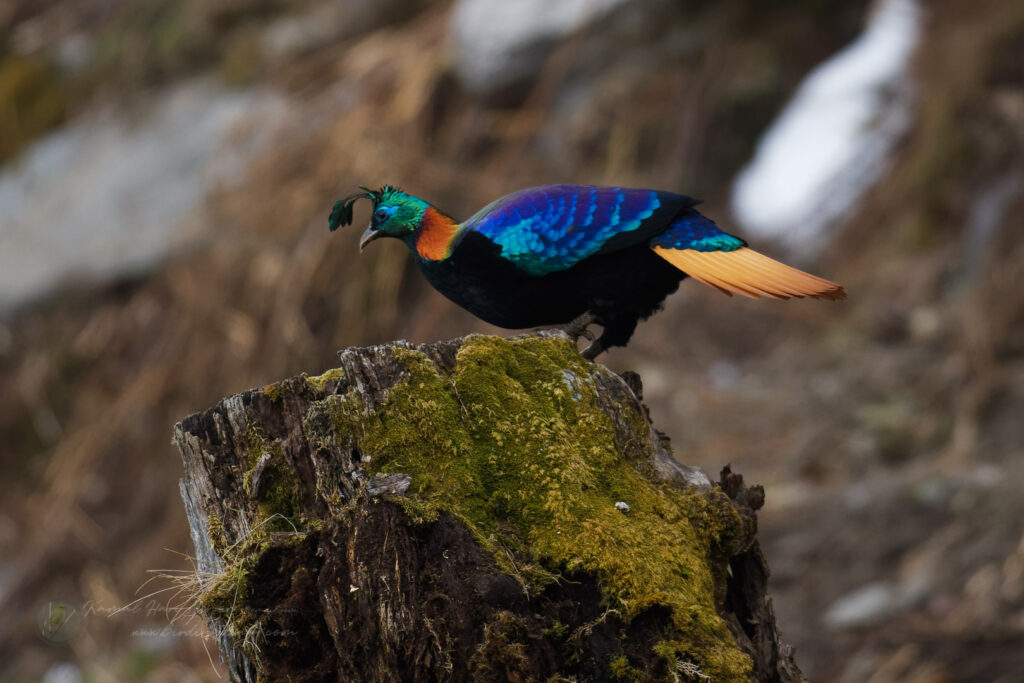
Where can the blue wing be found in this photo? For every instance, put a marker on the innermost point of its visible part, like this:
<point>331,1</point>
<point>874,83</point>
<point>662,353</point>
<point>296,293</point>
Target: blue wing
<point>553,227</point>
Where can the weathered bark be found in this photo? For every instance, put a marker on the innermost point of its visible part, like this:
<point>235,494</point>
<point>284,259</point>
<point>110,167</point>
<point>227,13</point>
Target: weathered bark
<point>477,509</point>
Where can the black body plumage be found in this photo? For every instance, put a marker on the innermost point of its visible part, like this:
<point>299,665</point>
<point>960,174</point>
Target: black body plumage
<point>619,288</point>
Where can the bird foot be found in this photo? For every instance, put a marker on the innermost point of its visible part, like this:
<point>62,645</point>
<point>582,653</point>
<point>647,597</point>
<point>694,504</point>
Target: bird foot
<point>593,351</point>
<point>577,327</point>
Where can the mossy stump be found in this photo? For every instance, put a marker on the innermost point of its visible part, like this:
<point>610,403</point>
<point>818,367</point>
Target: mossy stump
<point>478,509</point>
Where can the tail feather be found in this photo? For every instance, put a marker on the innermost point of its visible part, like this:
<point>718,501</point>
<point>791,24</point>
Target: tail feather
<point>748,273</point>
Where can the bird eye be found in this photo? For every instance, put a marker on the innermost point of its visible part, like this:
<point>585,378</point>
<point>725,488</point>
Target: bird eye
<point>381,215</point>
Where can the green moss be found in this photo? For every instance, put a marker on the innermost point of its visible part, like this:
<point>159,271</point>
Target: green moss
<point>557,629</point>
<point>275,392</point>
<point>278,495</point>
<point>226,602</point>
<point>319,382</point>
<point>215,529</point>
<point>622,671</point>
<point>514,444</point>
<point>225,599</point>
<point>502,654</point>
<point>228,597</point>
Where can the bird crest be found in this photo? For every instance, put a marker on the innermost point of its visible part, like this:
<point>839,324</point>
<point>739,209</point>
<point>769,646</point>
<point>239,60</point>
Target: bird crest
<point>341,214</point>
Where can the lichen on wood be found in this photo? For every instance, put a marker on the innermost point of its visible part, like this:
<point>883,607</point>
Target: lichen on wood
<point>480,509</point>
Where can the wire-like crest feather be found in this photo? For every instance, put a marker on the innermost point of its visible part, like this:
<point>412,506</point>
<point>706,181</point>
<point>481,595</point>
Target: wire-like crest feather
<point>341,214</point>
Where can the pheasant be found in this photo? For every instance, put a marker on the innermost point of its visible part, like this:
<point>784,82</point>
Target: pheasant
<point>575,255</point>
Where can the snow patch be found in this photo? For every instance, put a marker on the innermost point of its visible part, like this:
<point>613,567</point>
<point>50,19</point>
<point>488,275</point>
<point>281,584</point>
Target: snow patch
<point>832,140</point>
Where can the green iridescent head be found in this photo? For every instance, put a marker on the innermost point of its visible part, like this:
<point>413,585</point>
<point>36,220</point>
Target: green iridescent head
<point>395,213</point>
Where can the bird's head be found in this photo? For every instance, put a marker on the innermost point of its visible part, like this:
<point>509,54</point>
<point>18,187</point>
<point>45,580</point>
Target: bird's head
<point>395,213</point>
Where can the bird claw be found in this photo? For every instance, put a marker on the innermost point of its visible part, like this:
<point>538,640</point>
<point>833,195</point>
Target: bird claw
<point>593,351</point>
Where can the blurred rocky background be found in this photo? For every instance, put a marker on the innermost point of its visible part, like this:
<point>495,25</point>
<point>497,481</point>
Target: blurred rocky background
<point>167,170</point>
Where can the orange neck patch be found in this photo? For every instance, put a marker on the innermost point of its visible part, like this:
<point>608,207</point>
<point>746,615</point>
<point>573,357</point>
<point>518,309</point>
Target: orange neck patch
<point>437,235</point>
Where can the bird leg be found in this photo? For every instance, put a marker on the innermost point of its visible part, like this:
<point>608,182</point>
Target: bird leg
<point>577,327</point>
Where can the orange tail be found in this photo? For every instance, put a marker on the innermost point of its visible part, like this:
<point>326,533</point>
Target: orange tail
<point>745,271</point>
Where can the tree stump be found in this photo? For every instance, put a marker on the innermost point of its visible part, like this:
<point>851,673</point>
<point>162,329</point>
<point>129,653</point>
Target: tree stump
<point>478,509</point>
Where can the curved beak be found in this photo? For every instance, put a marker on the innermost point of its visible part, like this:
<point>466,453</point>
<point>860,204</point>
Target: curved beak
<point>370,235</point>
